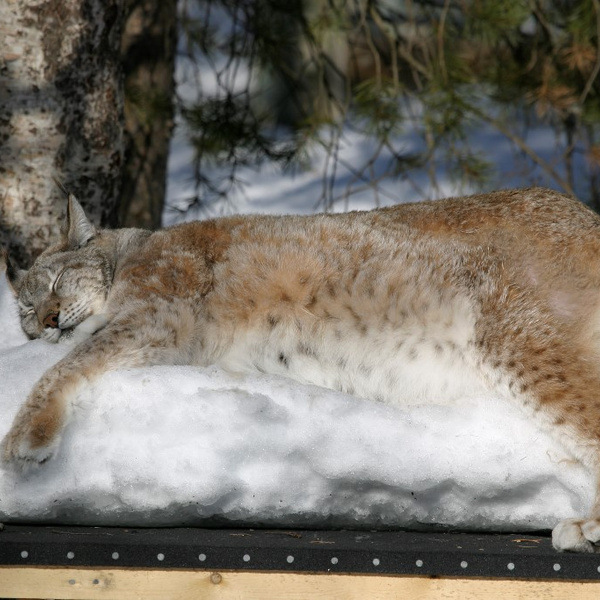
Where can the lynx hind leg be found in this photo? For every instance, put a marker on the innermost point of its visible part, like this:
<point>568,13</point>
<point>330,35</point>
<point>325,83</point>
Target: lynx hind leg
<point>582,535</point>
<point>577,535</point>
<point>556,381</point>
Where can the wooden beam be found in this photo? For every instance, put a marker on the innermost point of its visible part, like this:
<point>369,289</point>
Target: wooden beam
<point>147,584</point>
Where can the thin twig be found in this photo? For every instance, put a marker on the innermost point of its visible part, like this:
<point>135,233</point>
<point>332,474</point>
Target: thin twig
<point>523,146</point>
<point>440,41</point>
<point>590,82</point>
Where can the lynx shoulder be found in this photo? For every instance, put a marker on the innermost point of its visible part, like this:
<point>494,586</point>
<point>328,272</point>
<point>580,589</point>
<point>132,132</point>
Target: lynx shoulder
<point>428,302</point>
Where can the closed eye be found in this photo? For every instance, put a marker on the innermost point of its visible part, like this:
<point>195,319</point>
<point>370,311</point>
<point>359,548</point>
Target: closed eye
<point>30,311</point>
<point>56,281</point>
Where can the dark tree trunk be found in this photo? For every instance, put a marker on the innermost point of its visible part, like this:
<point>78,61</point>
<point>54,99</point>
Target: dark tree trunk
<point>148,54</point>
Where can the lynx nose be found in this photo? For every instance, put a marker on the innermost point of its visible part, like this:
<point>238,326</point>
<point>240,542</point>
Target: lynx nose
<point>51,320</point>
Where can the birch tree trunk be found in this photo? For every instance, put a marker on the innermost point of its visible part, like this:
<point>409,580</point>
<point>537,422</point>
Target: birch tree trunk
<point>61,115</point>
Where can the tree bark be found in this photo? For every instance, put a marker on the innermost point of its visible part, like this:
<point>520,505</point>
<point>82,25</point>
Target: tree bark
<point>61,114</point>
<point>148,53</point>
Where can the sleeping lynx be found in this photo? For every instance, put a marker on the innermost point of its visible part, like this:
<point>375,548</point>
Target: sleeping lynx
<point>497,292</point>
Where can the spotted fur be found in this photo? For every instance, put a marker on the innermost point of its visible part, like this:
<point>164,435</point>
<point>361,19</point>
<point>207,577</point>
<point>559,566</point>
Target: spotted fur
<point>432,302</point>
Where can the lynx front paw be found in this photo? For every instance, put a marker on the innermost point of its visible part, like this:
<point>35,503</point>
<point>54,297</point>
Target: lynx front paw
<point>33,439</point>
<point>573,535</point>
<point>83,331</point>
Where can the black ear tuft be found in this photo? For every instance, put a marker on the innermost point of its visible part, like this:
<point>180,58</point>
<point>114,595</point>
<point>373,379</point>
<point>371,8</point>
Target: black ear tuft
<point>77,230</point>
<point>14,275</point>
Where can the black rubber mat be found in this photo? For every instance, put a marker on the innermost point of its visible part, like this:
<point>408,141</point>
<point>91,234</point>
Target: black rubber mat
<point>395,552</point>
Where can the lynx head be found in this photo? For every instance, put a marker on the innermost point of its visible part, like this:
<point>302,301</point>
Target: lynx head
<point>67,283</point>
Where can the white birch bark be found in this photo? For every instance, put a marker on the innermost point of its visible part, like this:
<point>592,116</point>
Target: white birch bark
<point>61,111</point>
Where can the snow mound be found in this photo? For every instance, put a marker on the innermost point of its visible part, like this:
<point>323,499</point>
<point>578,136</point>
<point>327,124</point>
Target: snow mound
<point>191,446</point>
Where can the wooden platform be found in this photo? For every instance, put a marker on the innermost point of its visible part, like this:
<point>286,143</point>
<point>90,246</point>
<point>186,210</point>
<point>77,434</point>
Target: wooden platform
<point>120,563</point>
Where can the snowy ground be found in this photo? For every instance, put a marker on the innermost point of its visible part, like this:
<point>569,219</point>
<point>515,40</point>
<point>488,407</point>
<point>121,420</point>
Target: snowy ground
<point>183,445</point>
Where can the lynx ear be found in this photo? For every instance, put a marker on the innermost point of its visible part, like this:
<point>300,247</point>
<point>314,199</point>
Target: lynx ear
<point>14,275</point>
<point>77,230</point>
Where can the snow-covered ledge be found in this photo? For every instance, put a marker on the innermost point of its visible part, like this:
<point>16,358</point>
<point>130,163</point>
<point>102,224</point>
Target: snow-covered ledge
<point>189,446</point>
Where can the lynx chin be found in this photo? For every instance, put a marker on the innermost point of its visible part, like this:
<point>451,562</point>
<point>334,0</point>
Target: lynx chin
<point>495,293</point>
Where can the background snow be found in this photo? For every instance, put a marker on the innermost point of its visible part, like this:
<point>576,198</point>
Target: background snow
<point>267,190</point>
<point>184,445</point>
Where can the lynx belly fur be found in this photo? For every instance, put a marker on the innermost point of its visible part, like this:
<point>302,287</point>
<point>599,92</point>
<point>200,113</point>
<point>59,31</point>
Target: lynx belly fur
<point>496,293</point>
